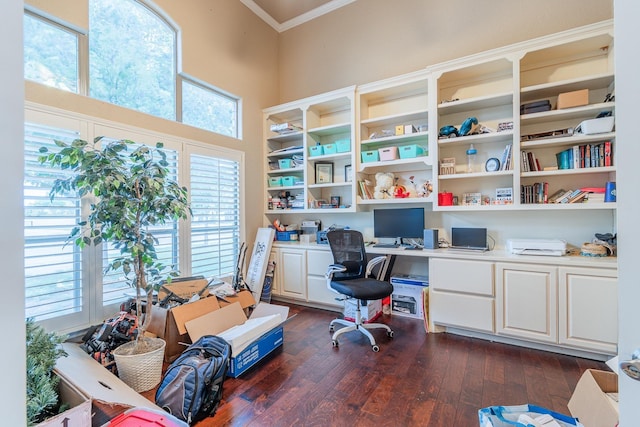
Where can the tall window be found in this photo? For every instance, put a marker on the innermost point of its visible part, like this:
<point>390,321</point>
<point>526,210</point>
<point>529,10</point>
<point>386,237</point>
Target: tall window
<point>66,287</point>
<point>132,57</point>
<point>50,54</point>
<point>53,270</point>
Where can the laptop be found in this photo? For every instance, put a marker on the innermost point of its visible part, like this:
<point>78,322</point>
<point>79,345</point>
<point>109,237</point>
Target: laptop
<point>469,239</point>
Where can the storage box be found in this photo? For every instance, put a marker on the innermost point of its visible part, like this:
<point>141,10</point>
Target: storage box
<point>275,181</point>
<point>407,299</point>
<point>329,148</point>
<point>600,125</point>
<point>288,181</point>
<point>343,145</point>
<point>388,153</point>
<point>316,150</point>
<point>137,417</point>
<point>535,107</point>
<point>286,236</point>
<point>370,156</point>
<point>368,312</point>
<point>575,98</point>
<point>284,163</point>
<point>594,400</point>
<point>79,412</point>
<point>251,339</point>
<point>410,151</point>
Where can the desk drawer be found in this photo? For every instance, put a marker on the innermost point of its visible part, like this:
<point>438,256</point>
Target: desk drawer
<point>472,277</point>
<point>465,311</point>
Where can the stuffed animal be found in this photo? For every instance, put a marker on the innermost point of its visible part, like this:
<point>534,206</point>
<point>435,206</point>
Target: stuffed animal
<point>425,189</point>
<point>412,188</point>
<point>384,185</point>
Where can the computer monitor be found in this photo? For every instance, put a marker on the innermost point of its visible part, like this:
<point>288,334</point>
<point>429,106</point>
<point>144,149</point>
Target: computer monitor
<point>403,223</point>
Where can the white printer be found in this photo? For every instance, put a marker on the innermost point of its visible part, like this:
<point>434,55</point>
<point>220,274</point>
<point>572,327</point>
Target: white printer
<point>550,247</point>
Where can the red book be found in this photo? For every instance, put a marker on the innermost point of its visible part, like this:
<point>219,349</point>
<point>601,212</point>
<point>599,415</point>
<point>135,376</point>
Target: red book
<point>607,153</point>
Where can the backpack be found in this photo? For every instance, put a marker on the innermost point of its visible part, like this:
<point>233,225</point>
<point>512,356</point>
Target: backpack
<point>191,388</point>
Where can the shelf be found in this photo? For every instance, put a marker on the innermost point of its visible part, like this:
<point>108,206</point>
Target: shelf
<point>412,200</point>
<point>330,185</point>
<point>286,153</point>
<point>398,165</point>
<point>329,157</point>
<point>286,137</point>
<point>281,171</point>
<point>575,139</point>
<point>567,113</point>
<point>481,138</point>
<point>567,206</point>
<point>561,172</point>
<point>475,103</point>
<point>291,187</point>
<point>397,119</point>
<point>547,90</point>
<point>476,175</point>
<point>284,211</point>
<point>331,130</point>
<point>406,138</point>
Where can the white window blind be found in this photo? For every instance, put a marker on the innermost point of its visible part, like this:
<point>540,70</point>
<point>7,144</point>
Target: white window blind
<point>53,269</point>
<point>215,225</point>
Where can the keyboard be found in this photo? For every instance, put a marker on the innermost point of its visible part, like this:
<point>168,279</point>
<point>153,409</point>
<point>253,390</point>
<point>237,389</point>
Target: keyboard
<point>385,245</point>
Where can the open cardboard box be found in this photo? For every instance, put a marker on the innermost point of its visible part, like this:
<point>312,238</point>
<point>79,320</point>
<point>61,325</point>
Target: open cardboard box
<point>169,323</point>
<point>251,339</point>
<point>79,412</point>
<point>594,401</point>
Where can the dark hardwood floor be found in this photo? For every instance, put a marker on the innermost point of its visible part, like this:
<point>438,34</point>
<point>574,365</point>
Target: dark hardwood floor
<point>416,379</point>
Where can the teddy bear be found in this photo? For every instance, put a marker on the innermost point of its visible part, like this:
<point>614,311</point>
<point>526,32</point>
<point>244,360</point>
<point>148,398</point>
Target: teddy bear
<point>384,185</point>
<point>425,190</point>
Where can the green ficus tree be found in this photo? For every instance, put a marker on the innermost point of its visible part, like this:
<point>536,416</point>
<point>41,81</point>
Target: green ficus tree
<point>130,190</point>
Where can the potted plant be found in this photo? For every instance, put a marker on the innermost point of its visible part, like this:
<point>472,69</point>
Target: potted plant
<point>43,349</point>
<point>132,191</point>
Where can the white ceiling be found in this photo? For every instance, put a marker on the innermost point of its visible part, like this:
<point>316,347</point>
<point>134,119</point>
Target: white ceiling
<point>285,14</point>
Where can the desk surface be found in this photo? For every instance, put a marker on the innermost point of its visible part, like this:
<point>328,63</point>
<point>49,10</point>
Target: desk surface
<point>494,255</point>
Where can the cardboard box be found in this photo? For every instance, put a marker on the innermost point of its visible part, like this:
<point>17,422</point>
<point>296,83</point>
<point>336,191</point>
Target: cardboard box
<point>79,412</point>
<point>251,339</point>
<point>594,400</point>
<point>407,299</point>
<point>94,381</point>
<point>369,312</point>
<point>573,99</point>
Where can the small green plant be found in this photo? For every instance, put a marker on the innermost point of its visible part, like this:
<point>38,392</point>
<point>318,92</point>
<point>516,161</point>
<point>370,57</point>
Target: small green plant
<point>131,191</point>
<point>43,349</point>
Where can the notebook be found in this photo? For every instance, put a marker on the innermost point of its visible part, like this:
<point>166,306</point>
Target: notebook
<point>469,239</point>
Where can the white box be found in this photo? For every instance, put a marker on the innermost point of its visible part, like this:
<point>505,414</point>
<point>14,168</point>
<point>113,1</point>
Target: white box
<point>594,400</point>
<point>407,298</point>
<point>601,125</point>
<point>369,312</point>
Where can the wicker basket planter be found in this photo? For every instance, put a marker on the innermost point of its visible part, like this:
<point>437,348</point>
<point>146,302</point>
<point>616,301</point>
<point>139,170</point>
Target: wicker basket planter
<point>141,371</point>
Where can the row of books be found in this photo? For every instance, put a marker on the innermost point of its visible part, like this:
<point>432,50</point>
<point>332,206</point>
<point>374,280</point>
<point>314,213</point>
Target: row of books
<point>539,193</point>
<point>365,191</point>
<point>505,163</point>
<point>586,156</point>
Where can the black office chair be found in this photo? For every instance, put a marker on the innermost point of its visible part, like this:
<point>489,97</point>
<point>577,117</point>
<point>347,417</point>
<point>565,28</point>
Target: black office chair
<point>349,276</point>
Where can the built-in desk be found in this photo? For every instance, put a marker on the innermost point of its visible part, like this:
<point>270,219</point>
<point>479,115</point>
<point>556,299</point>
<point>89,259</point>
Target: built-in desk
<point>564,304</point>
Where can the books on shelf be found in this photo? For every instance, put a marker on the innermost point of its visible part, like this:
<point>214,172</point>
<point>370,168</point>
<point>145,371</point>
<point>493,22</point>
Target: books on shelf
<point>585,156</point>
<point>505,164</point>
<point>538,193</point>
<point>364,190</point>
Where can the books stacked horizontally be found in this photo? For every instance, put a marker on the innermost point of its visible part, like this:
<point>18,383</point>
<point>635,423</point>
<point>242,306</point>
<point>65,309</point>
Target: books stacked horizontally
<point>539,193</point>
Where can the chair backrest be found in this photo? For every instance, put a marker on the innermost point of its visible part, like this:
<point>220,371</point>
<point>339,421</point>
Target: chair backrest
<point>347,247</point>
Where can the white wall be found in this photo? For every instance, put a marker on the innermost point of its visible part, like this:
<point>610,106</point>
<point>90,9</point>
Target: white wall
<point>12,358</point>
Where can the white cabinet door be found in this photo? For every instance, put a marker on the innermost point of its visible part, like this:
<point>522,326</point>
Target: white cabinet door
<point>317,291</point>
<point>293,273</point>
<point>588,308</point>
<point>461,293</point>
<point>526,299</point>
<point>275,256</point>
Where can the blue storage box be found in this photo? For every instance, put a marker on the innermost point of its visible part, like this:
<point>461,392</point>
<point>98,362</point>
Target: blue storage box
<point>284,163</point>
<point>287,236</point>
<point>288,181</point>
<point>316,150</point>
<point>343,145</point>
<point>275,181</point>
<point>329,148</point>
<point>410,151</point>
<point>370,156</point>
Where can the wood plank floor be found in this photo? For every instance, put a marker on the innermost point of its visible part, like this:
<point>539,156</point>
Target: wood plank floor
<point>416,379</point>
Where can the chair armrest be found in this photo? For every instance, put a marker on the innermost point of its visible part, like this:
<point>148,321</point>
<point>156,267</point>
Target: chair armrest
<point>332,269</point>
<point>372,263</point>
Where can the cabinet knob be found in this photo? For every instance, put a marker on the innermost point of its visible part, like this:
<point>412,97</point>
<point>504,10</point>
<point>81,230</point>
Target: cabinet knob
<point>632,367</point>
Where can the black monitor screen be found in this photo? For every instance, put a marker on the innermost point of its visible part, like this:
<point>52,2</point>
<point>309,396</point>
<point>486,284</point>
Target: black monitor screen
<point>403,223</point>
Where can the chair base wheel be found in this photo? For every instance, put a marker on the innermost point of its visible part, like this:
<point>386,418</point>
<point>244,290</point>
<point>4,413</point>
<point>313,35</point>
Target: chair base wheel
<point>390,334</point>
<point>375,348</point>
<point>331,328</point>
<point>335,343</point>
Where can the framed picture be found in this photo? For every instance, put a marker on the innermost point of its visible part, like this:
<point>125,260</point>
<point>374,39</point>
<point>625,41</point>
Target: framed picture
<point>348,170</point>
<point>324,173</point>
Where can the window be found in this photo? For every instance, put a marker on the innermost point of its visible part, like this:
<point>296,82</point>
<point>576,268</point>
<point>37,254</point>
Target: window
<point>215,231</point>
<point>50,54</point>
<point>132,57</point>
<point>53,270</point>
<point>205,108</point>
<point>66,288</point>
